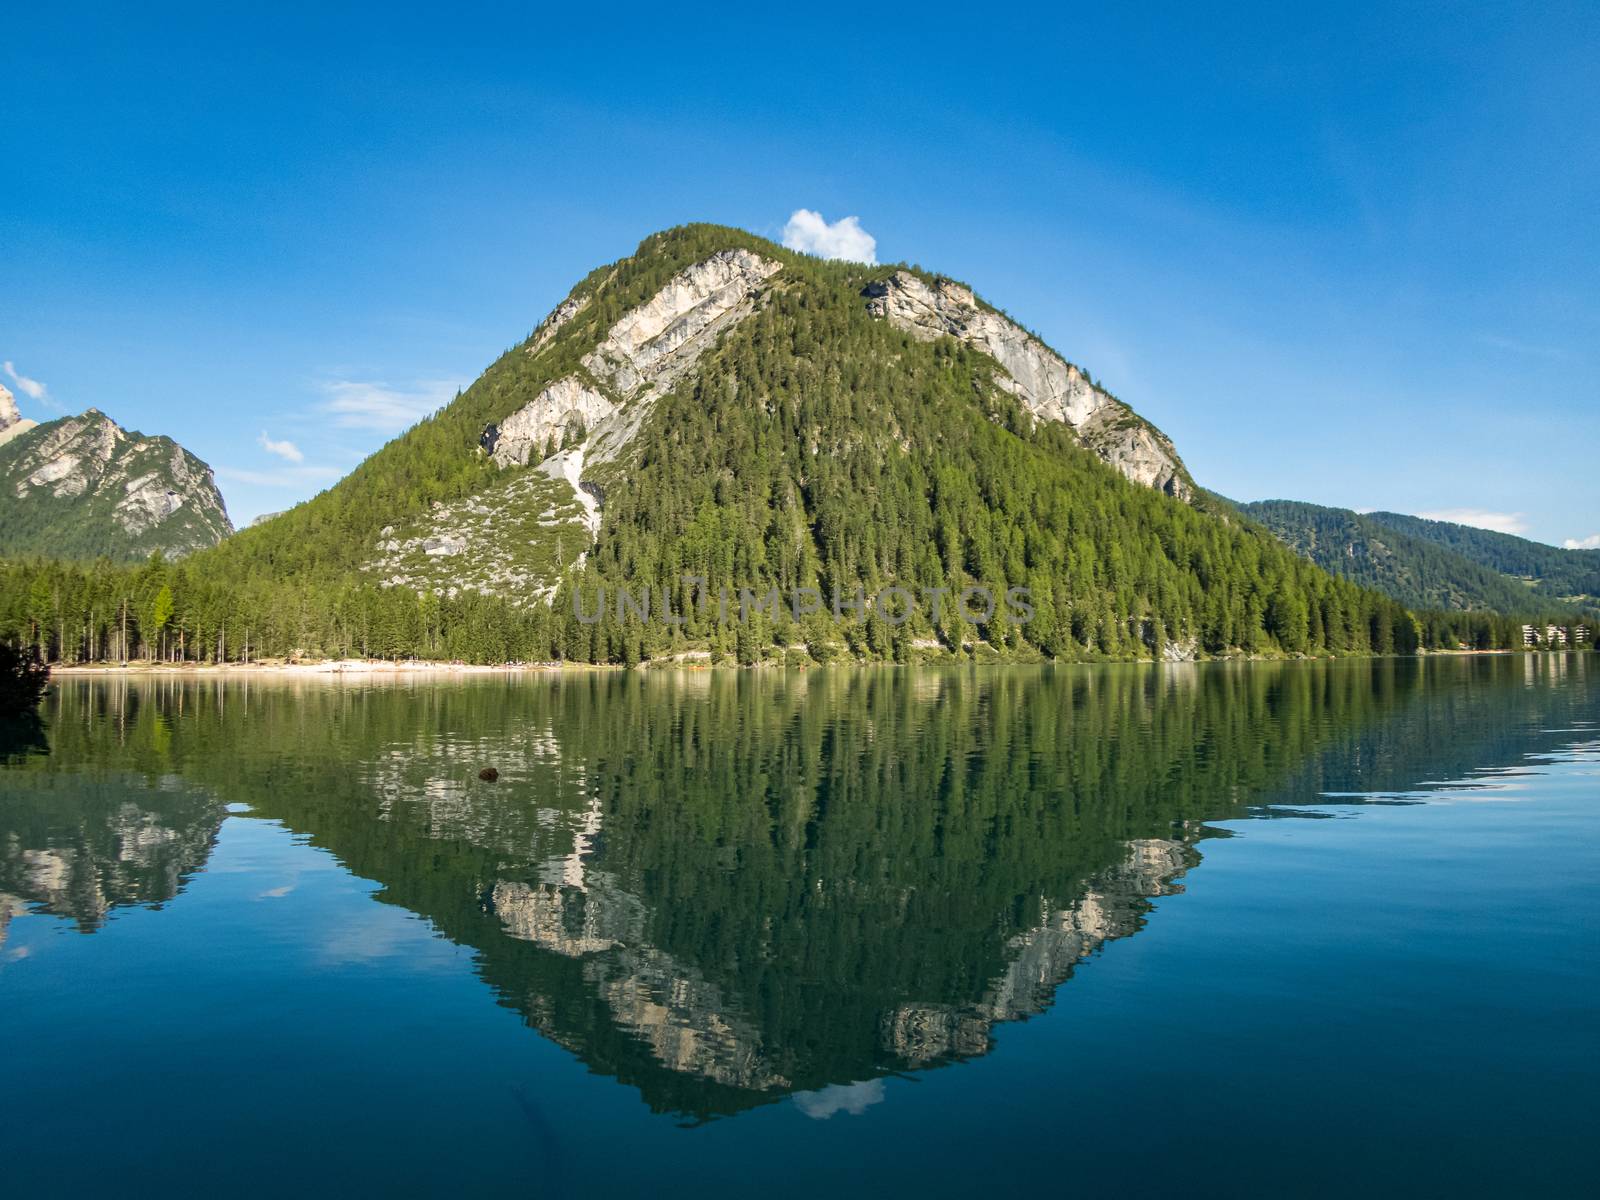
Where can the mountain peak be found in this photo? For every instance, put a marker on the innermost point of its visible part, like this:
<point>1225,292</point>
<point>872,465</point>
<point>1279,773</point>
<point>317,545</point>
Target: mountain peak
<point>12,422</point>
<point>718,406</point>
<point>83,486</point>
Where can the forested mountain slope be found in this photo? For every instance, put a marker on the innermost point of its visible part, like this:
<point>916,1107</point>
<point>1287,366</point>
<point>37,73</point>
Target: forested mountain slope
<point>1417,572</point>
<point>1554,572</point>
<point>715,406</point>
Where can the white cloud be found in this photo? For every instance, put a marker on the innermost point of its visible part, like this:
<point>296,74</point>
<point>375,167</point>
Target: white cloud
<point>851,1098</point>
<point>31,388</point>
<point>284,477</point>
<point>287,450</point>
<point>1532,349</point>
<point>1592,542</point>
<point>808,232</point>
<point>386,409</point>
<point>1481,518</point>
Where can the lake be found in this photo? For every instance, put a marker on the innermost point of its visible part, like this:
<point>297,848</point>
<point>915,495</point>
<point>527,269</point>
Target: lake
<point>1219,929</point>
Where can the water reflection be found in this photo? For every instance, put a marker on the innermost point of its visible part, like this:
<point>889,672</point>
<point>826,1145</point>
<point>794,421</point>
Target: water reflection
<point>83,841</point>
<point>726,889</point>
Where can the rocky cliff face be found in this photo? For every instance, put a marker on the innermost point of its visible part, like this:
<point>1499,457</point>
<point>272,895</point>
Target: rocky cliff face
<point>1048,386</point>
<point>642,356</point>
<point>564,411</point>
<point>12,422</point>
<point>83,486</point>
<point>580,420</point>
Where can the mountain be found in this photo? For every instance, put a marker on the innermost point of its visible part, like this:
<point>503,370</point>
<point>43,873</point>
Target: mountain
<point>715,413</point>
<point>1568,575</point>
<point>81,487</point>
<point>1434,564</point>
<point>1416,572</point>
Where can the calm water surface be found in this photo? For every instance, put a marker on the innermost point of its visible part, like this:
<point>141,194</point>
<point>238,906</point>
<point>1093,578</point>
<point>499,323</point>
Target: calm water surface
<point>1222,930</point>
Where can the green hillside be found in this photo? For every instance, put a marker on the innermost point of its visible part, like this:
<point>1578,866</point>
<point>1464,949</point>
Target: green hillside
<point>808,443</point>
<point>1417,572</point>
<point>1558,574</point>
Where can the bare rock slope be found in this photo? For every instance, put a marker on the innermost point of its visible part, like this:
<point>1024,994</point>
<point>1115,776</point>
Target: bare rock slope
<point>1048,386</point>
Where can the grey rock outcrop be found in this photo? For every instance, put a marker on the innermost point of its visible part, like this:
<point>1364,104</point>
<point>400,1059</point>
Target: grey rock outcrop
<point>641,357</point>
<point>592,416</point>
<point>551,325</point>
<point>12,422</point>
<point>564,406</point>
<point>1048,387</point>
<point>653,345</point>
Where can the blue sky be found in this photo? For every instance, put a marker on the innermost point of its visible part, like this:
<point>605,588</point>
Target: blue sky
<point>1350,259</point>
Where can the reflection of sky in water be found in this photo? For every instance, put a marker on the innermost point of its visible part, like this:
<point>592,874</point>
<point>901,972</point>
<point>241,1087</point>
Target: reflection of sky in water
<point>713,951</point>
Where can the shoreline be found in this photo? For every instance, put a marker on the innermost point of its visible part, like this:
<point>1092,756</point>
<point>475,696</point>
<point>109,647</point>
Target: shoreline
<point>333,667</point>
<point>354,668</point>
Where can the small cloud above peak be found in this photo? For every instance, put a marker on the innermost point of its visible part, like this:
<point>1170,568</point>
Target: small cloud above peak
<point>284,449</point>
<point>844,238</point>
<point>1480,518</point>
<point>1592,542</point>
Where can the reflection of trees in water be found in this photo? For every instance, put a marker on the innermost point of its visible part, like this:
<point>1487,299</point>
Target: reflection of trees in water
<point>80,837</point>
<point>20,736</point>
<point>722,888</point>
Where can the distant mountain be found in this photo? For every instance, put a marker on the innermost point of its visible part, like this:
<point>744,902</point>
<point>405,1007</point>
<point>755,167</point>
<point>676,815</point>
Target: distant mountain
<point>81,487</point>
<point>12,422</point>
<point>1570,575</point>
<point>1430,564</point>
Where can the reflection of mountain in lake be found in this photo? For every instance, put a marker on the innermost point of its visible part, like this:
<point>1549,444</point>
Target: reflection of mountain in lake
<point>93,816</point>
<point>1113,906</point>
<point>79,846</point>
<point>724,889</point>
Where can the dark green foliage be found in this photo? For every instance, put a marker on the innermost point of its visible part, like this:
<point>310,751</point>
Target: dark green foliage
<point>818,448</point>
<point>1416,572</point>
<point>23,678</point>
<point>1461,602</point>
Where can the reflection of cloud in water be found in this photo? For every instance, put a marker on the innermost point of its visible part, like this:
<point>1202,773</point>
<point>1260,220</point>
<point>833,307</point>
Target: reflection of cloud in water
<point>851,1098</point>
<point>384,936</point>
<point>277,892</point>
